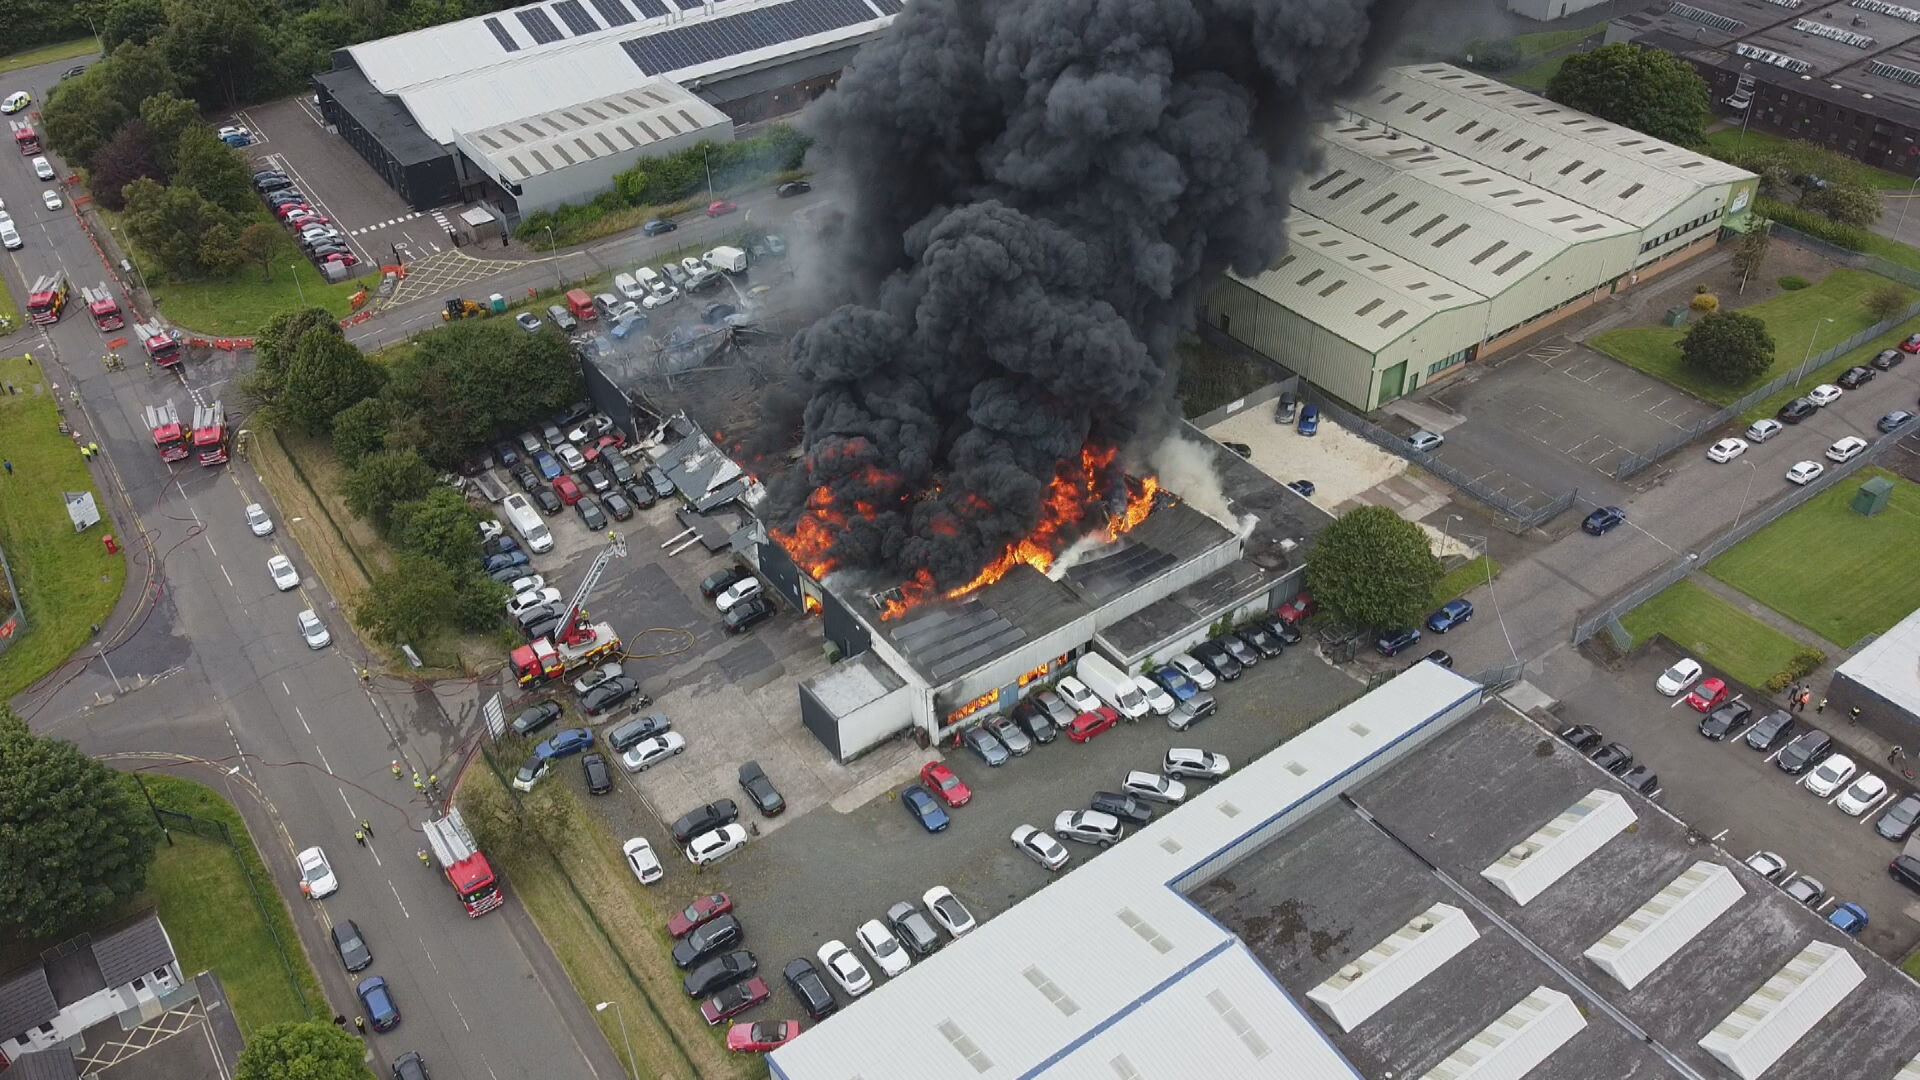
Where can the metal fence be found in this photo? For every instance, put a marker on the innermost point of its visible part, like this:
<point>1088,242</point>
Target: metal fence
<point>1501,677</point>
<point>1906,275</point>
<point>13,619</point>
<point>1681,566</point>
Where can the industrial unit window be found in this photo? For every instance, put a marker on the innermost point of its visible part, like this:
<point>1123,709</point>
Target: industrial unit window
<point>1435,220</point>
<point>1529,202</point>
<point>1368,306</point>
<point>1489,253</point>
<point>1592,176</point>
<point>1466,127</point>
<point>1416,107</point>
<point>1456,231</point>
<point>1327,179</point>
<point>1535,152</point>
<point>1400,213</point>
<point>1571,168</point>
<point>1311,274</point>
<point>1348,186</point>
<point>1511,263</point>
<point>1338,284</point>
<point>1379,202</point>
<point>1512,146</point>
<point>1632,191</point>
<point>1393,318</point>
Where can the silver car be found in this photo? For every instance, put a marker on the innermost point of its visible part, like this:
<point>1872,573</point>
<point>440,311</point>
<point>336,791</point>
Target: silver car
<point>597,676</point>
<point>1018,741</point>
<point>314,630</point>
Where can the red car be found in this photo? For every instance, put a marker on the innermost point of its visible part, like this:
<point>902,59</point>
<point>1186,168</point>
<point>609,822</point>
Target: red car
<point>300,219</point>
<point>1912,344</point>
<point>1297,608</point>
<point>1708,694</point>
<point>734,1000</point>
<point>594,449</point>
<point>940,780</point>
<point>704,910</point>
<point>286,210</point>
<point>340,257</point>
<point>721,206</point>
<point>1088,724</point>
<point>760,1037</point>
<point>568,491</point>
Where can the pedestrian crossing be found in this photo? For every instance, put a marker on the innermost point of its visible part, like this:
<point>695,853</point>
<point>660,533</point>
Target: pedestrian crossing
<point>390,222</point>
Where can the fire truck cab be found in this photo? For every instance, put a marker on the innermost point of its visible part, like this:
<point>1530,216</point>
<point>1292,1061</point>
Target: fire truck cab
<point>210,433</point>
<point>47,299</point>
<point>162,346</point>
<point>169,437</point>
<point>102,306</point>
<point>25,138</point>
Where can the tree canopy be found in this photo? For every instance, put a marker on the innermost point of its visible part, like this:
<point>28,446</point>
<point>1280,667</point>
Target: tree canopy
<point>1649,90</point>
<point>311,1050</point>
<point>1731,347</point>
<point>385,480</point>
<point>442,526</point>
<point>308,372</point>
<point>1373,569</point>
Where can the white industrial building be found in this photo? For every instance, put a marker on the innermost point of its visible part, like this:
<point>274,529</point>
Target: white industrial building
<point>127,976</point>
<point>1549,10</point>
<point>1452,215</point>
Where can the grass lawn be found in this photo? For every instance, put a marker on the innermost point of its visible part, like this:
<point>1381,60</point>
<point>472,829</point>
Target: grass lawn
<point>7,307</point>
<point>1726,141</point>
<point>47,54</point>
<point>67,581</point>
<point>1716,632</point>
<point>1548,40</point>
<point>1470,576</point>
<point>1791,317</point>
<point>1536,77</point>
<point>1911,965</point>
<point>1867,574</point>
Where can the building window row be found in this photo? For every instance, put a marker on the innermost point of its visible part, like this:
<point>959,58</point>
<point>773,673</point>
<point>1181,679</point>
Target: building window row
<point>1681,230</point>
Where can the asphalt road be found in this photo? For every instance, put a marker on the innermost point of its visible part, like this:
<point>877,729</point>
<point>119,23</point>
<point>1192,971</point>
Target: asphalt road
<point>237,687</point>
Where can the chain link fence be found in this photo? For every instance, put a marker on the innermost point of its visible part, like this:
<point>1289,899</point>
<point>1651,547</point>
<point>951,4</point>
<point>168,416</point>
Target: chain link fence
<point>13,619</point>
<point>1906,275</point>
<point>1607,617</point>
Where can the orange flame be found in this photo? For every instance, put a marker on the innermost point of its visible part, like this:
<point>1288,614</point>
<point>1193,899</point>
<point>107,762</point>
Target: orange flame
<point>810,602</point>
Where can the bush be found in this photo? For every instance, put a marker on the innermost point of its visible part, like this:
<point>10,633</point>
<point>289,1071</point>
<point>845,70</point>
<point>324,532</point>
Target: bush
<point>1794,282</point>
<point>1886,302</point>
<point>1804,663</point>
<point>1705,303</point>
<point>1814,225</point>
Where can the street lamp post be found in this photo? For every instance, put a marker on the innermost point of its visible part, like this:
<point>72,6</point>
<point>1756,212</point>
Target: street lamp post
<point>1802,373</point>
<point>294,269</point>
<point>551,244</point>
<point>1902,223</point>
<point>617,1011</point>
<point>1445,536</point>
<point>1752,471</point>
<point>709,168</point>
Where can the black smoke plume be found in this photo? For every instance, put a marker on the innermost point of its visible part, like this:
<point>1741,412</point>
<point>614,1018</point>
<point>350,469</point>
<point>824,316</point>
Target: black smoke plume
<point>1036,194</point>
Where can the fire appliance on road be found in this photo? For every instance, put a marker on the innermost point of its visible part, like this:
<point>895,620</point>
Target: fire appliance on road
<point>575,644</point>
<point>163,347</point>
<point>168,436</point>
<point>102,306</point>
<point>460,859</point>
<point>47,299</point>
<point>210,433</point>
<point>25,137</point>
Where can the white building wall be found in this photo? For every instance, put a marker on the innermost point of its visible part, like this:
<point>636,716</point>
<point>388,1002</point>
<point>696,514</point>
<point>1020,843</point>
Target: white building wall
<point>1572,273</point>
<point>1703,202</point>
<point>876,721</point>
<point>580,182</point>
<point>1549,10</point>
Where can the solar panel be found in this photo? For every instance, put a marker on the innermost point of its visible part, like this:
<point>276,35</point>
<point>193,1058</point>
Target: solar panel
<point>538,25</point>
<point>690,5</point>
<point>650,9</point>
<point>575,17</point>
<point>889,7</point>
<point>500,34</point>
<point>613,11</point>
<point>686,46</point>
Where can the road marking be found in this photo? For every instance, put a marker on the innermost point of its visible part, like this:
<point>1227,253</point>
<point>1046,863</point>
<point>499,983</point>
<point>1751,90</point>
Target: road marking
<point>303,723</point>
<point>402,903</point>
<point>322,754</point>
<point>229,577</point>
<point>343,796</point>
<point>1777,753</point>
<point>455,1002</point>
<point>283,686</point>
<point>1721,835</point>
<point>1875,804</point>
<point>1827,903</point>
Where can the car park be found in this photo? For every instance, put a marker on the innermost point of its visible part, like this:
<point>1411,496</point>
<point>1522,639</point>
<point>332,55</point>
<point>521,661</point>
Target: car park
<point>1707,694</point>
<point>1438,656</point>
<point>719,973</point>
<point>698,913</point>
<point>1195,764</point>
<point>1855,377</point>
<point>731,1001</point>
<point>981,742</point>
<point>535,717</point>
<point>760,790</point>
<point>910,925</point>
<point>376,1003</point>
<point>1217,660</point>
<point>1088,724</point>
<point>1124,807</point>
<point>1806,890</point>
<point>1899,820</point>
<point>845,968</point>
<point>1725,720</point>
<point>609,694</point>
<point>1056,707</point>
<point>591,515</point>
<point>879,943</point>
<point>1846,449</point>
<point>710,847</point>
<point>317,879</point>
<point>1796,410</point>
<point>640,858</point>
<point>1761,430</point>
<point>506,560</point>
<point>1453,613</point>
<point>1830,775</point>
<point>410,1066</point>
<point>1887,359</point>
<point>1768,865</point>
<point>923,808</point>
<point>1808,749</point>
<point>1726,450</point>
<point>722,933</point>
<point>1613,757</point>
<point>1681,675</point>
<point>1393,642</point>
<point>596,479</point>
<point>1040,847</point>
<point>647,753</point>
<point>1193,670</point>
<point>1191,711</point>
<point>1154,787</point>
<point>1603,520</point>
<point>1861,795</point>
<point>941,781</point>
<point>1285,407</point>
<point>948,911</point>
<point>350,946</point>
<point>313,631</point>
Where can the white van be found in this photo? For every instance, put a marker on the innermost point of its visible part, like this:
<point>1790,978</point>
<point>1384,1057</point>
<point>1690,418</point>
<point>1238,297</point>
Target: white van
<point>9,236</point>
<point>1112,686</point>
<point>526,521</point>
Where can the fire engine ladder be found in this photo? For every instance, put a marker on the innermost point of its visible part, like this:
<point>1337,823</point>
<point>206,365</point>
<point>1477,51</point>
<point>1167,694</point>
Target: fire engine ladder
<point>159,416</point>
<point>449,838</point>
<point>616,549</point>
<point>206,416</point>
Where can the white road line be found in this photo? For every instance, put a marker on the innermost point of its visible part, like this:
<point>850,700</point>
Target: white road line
<point>322,755</point>
<point>372,852</point>
<point>343,798</point>
<point>1777,753</point>
<point>283,686</point>
<point>303,718</point>
<point>229,577</point>
<point>1721,835</point>
<point>1827,903</point>
<point>397,900</point>
<point>456,1011</point>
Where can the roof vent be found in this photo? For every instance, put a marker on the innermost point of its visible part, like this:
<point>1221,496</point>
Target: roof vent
<point>1519,851</point>
<point>1664,924</point>
<point>1775,1017</point>
<point>1531,866</point>
<point>1352,972</point>
<point>1522,1038</point>
<point>1393,966</point>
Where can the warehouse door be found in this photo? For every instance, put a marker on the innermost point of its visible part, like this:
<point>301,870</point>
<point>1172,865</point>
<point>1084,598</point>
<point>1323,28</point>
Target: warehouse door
<point>1391,380</point>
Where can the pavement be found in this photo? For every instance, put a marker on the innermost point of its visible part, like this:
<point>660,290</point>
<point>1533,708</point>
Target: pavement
<point>204,673</point>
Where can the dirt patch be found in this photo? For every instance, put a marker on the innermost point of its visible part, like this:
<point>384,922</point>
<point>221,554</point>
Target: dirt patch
<point>1341,465</point>
<point>1783,260</point>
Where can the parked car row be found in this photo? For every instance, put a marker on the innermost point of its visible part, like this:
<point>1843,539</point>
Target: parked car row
<point>738,596</point>
<point>1101,825</point>
<point>908,933</point>
<point>315,232</point>
<point>1613,757</point>
<point>375,995</point>
<point>1800,408</point>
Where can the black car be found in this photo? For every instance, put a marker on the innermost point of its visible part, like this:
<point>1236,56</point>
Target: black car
<point>596,478</point>
<point>524,476</point>
<point>1286,407</point>
<point>753,780</point>
<point>73,72</point>
<point>507,453</point>
<point>507,573</point>
<point>1394,642</point>
<point>659,481</point>
<point>533,719</point>
<point>1125,807</point>
<point>722,933</point>
<point>810,988</point>
<point>1773,729</point>
<point>1641,779</point>
<point>351,946</point>
<point>1888,359</point>
<point>590,513</point>
<point>1725,720</point>
<point>1614,758</point>
<point>1438,656</point>
<point>1896,824</point>
<point>273,183</point>
<point>608,694</point>
<point>724,971</point>
<point>1281,629</point>
<point>599,777</point>
<point>793,187</point>
<point>1217,660</point>
<point>544,626</point>
<point>1257,636</point>
<point>705,819</point>
<point>1796,410</point>
<point>641,496</point>
<point>1033,719</point>
<point>1809,748</point>
<point>500,545</point>
<point>548,502</point>
<point>744,615</point>
<point>1905,869</point>
<point>720,580</point>
<point>1582,738</point>
<point>617,505</point>
<point>1855,377</point>
<point>410,1066</point>
<point>913,928</point>
<point>1603,520</point>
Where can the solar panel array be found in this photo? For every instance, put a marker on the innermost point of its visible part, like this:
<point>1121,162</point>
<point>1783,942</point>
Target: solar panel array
<point>613,11</point>
<point>575,17</point>
<point>700,43</point>
<point>650,9</point>
<point>690,5</point>
<point>1117,573</point>
<point>889,7</point>
<point>500,34</point>
<point>539,26</point>
<point>947,641</point>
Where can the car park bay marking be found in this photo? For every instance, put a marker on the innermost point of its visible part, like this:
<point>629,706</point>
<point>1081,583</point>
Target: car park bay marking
<point>1827,903</point>
<point>1874,805</point>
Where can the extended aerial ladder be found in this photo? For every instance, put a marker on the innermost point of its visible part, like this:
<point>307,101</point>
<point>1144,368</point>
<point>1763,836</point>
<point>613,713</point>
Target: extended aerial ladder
<point>575,643</point>
<point>570,630</point>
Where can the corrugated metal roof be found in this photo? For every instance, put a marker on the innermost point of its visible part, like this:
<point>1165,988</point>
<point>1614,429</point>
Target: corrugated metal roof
<point>1521,1038</point>
<point>53,1063</point>
<point>1784,1009</point>
<point>1143,968</point>
<point>1416,950</point>
<point>1531,866</point>
<point>619,123</point>
<point>1890,665</point>
<point>1616,170</point>
<point>1668,920</point>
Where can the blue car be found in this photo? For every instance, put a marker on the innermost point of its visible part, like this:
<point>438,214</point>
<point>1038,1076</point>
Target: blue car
<point>1309,419</point>
<point>1849,918</point>
<point>923,808</point>
<point>1894,419</point>
<point>1451,614</point>
<point>562,743</point>
<point>1393,642</point>
<point>382,1013</point>
<point>1175,683</point>
<point>506,560</point>
<point>657,227</point>
<point>1603,520</point>
<point>981,741</point>
<point>548,465</point>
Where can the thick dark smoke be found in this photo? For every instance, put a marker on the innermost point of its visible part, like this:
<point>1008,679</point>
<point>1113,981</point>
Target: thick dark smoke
<point>1036,193</point>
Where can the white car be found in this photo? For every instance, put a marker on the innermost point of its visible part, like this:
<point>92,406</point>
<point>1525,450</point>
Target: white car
<point>885,949</point>
<point>1846,449</point>
<point>597,676</point>
<point>317,873</point>
<point>570,456</point>
<point>693,266</point>
<point>284,575</point>
<point>1825,394</point>
<point>232,129</point>
<point>1726,450</point>
<point>846,968</point>
<point>42,168</point>
<point>1196,672</point>
<point>642,861</point>
<point>628,287</point>
<point>711,847</point>
<point>1077,695</point>
<point>1805,472</point>
<point>666,295</point>
<point>258,521</point>
<point>1089,827</point>
<point>52,199</point>
<point>647,753</point>
<point>1762,430</point>
<point>1040,847</point>
<point>490,529</point>
<point>948,911</point>
<point>1157,697</point>
<point>525,584</point>
<point>16,101</point>
<point>736,592</point>
<point>531,599</point>
<point>1864,793</point>
<point>1831,776</point>
<point>1154,787</point>
<point>1684,672</point>
<point>314,630</point>
<point>1200,764</point>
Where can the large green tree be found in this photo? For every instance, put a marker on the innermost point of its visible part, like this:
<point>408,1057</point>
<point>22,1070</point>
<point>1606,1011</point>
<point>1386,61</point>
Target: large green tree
<point>132,21</point>
<point>1649,90</point>
<point>411,601</point>
<point>1373,569</point>
<point>215,170</point>
<point>307,372</point>
<point>462,383</point>
<point>361,429</point>
<point>82,115</point>
<point>168,116</point>
<point>1730,347</point>
<point>385,480</point>
<point>311,1050</point>
<point>126,157</point>
<point>1849,204</point>
<point>75,837</point>
<point>442,526</point>
<point>221,50</point>
<point>170,223</point>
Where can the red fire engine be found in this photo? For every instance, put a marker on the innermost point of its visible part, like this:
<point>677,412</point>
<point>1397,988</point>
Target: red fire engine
<point>163,346</point>
<point>460,859</point>
<point>168,436</point>
<point>575,644</point>
<point>25,137</point>
<point>47,299</point>
<point>210,433</point>
<point>102,306</point>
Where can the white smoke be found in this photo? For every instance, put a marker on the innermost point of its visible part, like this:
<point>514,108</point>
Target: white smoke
<point>1185,467</point>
